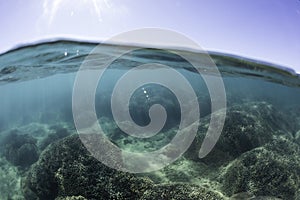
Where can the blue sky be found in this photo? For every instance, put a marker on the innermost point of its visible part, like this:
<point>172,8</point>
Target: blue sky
<point>264,29</point>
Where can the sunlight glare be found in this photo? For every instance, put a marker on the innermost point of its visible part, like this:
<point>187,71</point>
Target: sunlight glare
<point>51,7</point>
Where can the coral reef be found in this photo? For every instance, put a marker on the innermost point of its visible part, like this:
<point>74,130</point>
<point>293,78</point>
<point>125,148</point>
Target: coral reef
<point>10,187</point>
<point>256,157</point>
<point>71,198</point>
<point>20,149</point>
<point>56,132</point>
<point>67,169</point>
<point>273,169</point>
<point>181,191</point>
<point>246,127</point>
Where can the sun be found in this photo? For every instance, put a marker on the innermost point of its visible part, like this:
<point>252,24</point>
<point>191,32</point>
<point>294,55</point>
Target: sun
<point>51,7</point>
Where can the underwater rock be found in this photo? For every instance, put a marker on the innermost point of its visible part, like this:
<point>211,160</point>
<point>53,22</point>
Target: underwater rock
<point>127,142</point>
<point>180,191</point>
<point>247,196</point>
<point>147,96</point>
<point>264,198</point>
<point>67,169</point>
<point>270,170</point>
<point>56,133</point>
<point>10,181</point>
<point>246,127</point>
<point>36,130</point>
<point>44,134</point>
<point>71,198</point>
<point>294,117</point>
<point>297,195</point>
<point>297,137</point>
<point>20,149</point>
<point>186,171</point>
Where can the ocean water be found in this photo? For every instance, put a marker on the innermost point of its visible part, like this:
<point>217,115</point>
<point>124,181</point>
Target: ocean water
<point>256,156</point>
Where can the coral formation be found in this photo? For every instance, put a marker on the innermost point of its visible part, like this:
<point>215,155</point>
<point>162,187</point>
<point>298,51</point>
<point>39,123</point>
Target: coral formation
<point>181,191</point>
<point>67,169</point>
<point>20,149</point>
<point>273,169</point>
<point>10,187</point>
<point>246,127</point>
<point>255,155</point>
<point>56,132</point>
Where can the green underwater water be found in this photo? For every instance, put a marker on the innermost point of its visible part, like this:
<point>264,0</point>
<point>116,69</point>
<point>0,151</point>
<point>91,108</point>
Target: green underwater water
<point>41,156</point>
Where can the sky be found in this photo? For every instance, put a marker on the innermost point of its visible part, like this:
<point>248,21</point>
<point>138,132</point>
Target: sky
<point>268,30</point>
